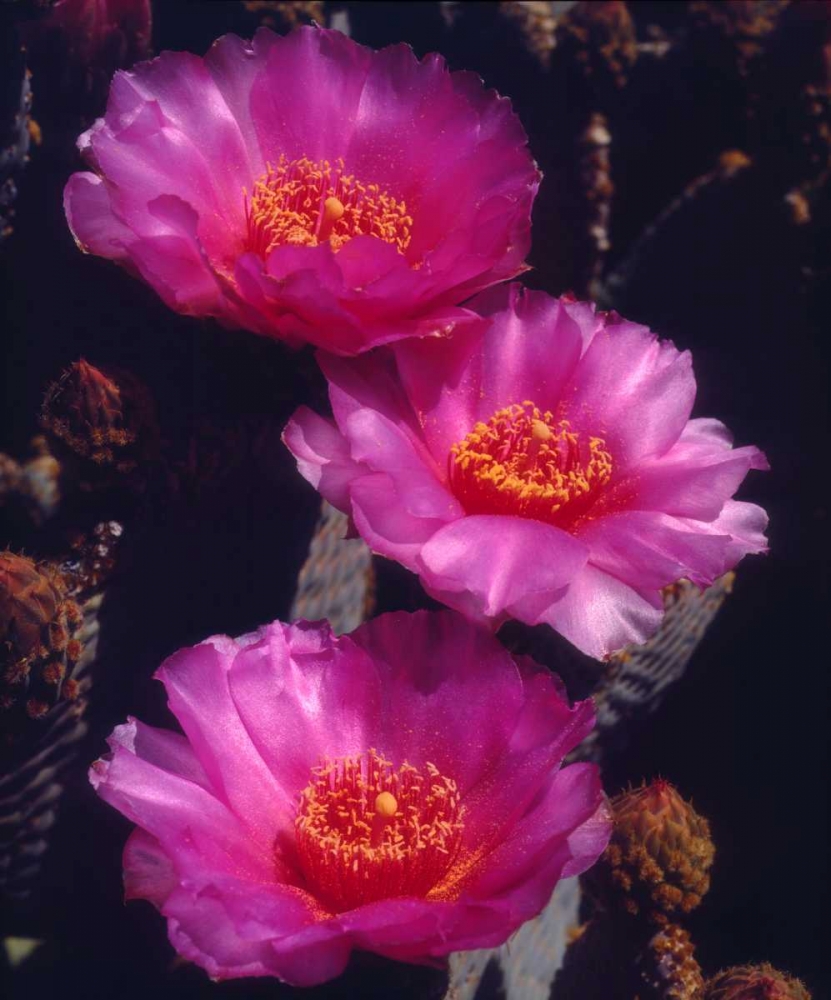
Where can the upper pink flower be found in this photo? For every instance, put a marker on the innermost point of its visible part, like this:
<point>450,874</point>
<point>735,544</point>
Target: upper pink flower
<point>396,790</point>
<point>307,188</point>
<point>542,467</point>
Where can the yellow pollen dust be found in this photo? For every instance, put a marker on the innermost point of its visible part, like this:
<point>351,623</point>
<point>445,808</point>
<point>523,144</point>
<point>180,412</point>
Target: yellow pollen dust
<point>522,462</point>
<point>367,830</point>
<point>305,203</point>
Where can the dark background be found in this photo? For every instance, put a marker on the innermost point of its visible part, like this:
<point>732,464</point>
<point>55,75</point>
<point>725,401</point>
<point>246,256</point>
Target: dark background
<point>729,276</point>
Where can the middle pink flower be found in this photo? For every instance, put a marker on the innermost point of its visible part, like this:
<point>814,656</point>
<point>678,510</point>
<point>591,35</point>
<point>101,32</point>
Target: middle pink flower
<point>308,188</point>
<point>541,467</point>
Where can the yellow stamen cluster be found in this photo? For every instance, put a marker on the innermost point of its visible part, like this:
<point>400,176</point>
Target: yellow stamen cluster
<point>523,463</point>
<point>367,830</point>
<point>304,203</point>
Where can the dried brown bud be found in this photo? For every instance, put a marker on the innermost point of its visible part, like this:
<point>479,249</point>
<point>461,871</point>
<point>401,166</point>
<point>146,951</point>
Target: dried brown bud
<point>103,417</point>
<point>38,646</point>
<point>29,601</point>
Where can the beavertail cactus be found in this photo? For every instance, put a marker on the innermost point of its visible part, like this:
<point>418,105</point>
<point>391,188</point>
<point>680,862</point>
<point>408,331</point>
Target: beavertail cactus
<point>754,982</point>
<point>659,858</point>
<point>38,643</point>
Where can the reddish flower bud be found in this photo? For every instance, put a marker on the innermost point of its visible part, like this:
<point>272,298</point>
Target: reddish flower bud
<point>754,982</point>
<point>660,854</point>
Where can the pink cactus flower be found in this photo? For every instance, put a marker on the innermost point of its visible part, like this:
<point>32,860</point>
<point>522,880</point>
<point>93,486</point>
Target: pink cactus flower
<point>396,790</point>
<point>308,188</point>
<point>542,467</point>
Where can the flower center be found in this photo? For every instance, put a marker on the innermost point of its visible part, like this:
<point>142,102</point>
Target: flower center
<point>303,203</point>
<point>523,463</point>
<point>367,831</point>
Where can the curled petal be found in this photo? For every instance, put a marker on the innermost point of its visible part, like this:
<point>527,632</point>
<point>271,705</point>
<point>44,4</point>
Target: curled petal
<point>503,563</point>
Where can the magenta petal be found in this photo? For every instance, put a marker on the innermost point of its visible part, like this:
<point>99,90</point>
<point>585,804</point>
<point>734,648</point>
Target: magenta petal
<point>503,562</point>
<point>148,871</point>
<point>648,550</point>
<point>433,673</point>
<point>528,350</point>
<point>567,825</point>
<point>744,524</point>
<point>234,64</point>
<point>398,928</point>
<point>91,219</point>
<point>169,751</point>
<point>321,74</point>
<point>310,962</point>
<point>545,730</point>
<point>600,614</point>
<point>384,446</point>
<point>445,396</point>
<point>694,478</point>
<point>634,391</point>
<point>322,455</point>
<point>201,931</point>
<point>166,125</point>
<point>195,829</point>
<point>366,383</point>
<point>384,524</point>
<point>173,260</point>
<point>327,705</point>
<point>196,680</point>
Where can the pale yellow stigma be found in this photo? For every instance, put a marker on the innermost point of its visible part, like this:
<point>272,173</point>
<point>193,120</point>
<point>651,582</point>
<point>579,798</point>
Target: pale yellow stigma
<point>541,431</point>
<point>333,209</point>
<point>386,805</point>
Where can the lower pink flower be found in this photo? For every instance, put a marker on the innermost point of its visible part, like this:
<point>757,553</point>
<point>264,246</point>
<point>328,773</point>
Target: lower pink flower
<point>396,790</point>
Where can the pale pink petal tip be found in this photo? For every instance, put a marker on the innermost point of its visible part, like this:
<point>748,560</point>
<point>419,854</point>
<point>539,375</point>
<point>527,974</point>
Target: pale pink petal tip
<point>317,185</point>
<point>541,465</point>
<point>398,790</point>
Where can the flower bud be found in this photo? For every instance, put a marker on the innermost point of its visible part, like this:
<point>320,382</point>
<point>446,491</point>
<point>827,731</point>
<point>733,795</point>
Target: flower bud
<point>660,854</point>
<point>99,416</point>
<point>38,644</point>
<point>754,982</point>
